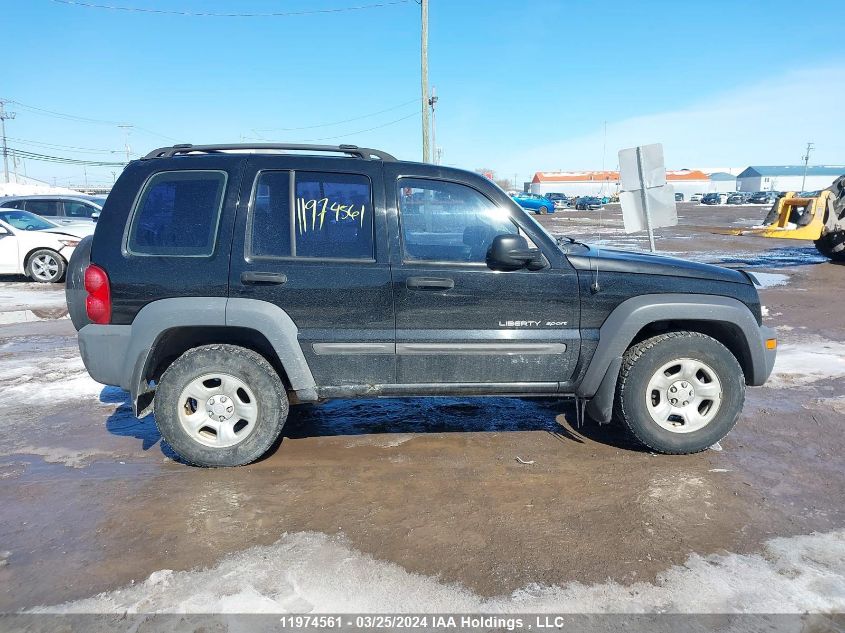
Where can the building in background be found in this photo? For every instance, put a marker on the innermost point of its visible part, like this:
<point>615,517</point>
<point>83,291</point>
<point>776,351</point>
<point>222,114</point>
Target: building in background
<point>606,183</point>
<point>721,182</point>
<point>788,177</point>
<point>576,183</point>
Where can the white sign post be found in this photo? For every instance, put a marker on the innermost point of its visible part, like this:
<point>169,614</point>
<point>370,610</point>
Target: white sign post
<point>648,202</point>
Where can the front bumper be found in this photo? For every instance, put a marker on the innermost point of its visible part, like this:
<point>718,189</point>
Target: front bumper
<point>763,370</point>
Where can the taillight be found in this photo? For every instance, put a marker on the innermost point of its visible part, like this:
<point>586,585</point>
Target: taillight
<point>98,301</point>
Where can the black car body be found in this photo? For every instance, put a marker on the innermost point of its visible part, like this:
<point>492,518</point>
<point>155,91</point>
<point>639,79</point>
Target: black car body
<point>588,203</point>
<point>359,275</point>
<point>711,198</point>
<point>764,197</point>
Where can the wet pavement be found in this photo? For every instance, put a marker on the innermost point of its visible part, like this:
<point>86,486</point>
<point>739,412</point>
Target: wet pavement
<point>93,501</point>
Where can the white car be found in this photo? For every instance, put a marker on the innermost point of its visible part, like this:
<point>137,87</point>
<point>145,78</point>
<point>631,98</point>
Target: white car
<point>35,247</point>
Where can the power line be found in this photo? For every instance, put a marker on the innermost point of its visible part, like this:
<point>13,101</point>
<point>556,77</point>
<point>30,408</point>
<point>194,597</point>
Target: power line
<point>275,14</point>
<point>83,119</point>
<point>357,118</point>
<point>62,159</point>
<point>81,150</point>
<point>377,127</point>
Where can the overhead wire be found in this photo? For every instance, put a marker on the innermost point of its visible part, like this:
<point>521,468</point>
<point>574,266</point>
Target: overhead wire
<point>207,14</point>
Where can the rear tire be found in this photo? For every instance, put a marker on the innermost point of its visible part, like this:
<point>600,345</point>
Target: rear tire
<point>220,405</point>
<point>45,266</point>
<point>679,392</point>
<point>826,243</point>
<point>542,210</point>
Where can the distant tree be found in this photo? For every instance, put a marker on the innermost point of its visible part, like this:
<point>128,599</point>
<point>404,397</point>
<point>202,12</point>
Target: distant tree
<point>504,183</point>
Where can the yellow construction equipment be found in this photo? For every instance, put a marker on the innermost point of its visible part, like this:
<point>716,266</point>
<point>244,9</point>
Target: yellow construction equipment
<point>820,218</point>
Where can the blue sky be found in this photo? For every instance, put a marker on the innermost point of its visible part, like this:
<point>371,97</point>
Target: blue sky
<point>523,86</point>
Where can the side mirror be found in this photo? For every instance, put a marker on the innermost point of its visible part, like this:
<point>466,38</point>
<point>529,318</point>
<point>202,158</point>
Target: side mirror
<point>95,216</point>
<point>512,252</point>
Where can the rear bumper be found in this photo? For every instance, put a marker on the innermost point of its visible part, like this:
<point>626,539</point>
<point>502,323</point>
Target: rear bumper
<point>105,350</point>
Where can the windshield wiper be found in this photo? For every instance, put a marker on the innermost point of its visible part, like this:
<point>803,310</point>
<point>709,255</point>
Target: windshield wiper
<point>569,240</point>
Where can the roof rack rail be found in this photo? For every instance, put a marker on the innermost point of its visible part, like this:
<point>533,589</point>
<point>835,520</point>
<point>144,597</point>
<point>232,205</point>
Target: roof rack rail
<point>350,150</point>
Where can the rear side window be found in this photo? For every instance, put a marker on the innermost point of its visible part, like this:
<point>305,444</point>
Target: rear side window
<point>329,216</point>
<point>43,207</point>
<point>177,214</point>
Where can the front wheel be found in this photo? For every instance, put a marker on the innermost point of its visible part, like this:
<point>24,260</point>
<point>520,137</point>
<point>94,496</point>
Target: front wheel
<point>220,405</point>
<point>679,392</point>
<point>45,266</point>
<point>542,210</point>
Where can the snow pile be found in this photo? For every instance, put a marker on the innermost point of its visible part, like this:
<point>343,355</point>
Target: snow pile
<point>312,572</point>
<point>802,364</point>
<point>33,188</point>
<point>32,296</point>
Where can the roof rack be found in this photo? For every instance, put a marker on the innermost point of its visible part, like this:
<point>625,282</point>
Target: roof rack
<point>350,150</point>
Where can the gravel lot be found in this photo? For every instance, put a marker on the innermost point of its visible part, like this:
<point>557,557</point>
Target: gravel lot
<point>422,504</point>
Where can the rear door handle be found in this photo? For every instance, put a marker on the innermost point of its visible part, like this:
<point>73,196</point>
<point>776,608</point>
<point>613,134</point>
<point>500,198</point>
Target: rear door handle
<point>429,283</point>
<point>253,277</point>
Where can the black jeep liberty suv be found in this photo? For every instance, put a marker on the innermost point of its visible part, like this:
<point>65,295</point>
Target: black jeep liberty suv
<point>226,282</point>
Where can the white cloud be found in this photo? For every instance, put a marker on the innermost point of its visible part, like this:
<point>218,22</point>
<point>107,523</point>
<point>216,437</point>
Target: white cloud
<point>767,122</point>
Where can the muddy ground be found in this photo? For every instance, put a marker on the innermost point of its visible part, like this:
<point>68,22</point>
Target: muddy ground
<point>92,500</point>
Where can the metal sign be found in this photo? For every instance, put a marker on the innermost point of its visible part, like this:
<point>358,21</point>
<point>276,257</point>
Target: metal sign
<point>648,202</point>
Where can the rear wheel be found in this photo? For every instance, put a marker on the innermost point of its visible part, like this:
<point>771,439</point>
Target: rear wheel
<point>542,210</point>
<point>220,405</point>
<point>832,246</point>
<point>45,266</point>
<point>679,392</point>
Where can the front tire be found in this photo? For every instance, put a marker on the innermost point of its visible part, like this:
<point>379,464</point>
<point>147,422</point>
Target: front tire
<point>220,405</point>
<point>679,392</point>
<point>45,266</point>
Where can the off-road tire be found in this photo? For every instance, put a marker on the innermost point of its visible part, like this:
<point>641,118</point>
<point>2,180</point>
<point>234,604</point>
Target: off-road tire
<point>640,363</point>
<point>61,265</point>
<point>244,364</point>
<point>826,243</point>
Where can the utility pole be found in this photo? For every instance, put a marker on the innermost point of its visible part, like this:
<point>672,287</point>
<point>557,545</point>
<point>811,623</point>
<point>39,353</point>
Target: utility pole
<point>424,78</point>
<point>432,101</point>
<point>126,129</point>
<point>3,116</point>
<point>806,159</point>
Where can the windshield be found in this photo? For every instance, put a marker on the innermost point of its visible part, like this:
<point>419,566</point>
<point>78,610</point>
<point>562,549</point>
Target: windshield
<point>25,221</point>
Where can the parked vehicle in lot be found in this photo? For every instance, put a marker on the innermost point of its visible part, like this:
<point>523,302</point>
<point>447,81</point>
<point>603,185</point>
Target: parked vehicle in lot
<point>714,198</point>
<point>740,197</point>
<point>35,247</point>
<point>533,202</point>
<point>58,209</point>
<point>764,197</point>
<point>588,203</point>
<point>561,201</point>
<point>696,197</point>
<point>679,197</point>
<point>223,286</point>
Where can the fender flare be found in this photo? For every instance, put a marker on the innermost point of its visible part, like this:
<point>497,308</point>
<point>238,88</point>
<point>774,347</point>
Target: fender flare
<point>630,316</point>
<point>158,317</point>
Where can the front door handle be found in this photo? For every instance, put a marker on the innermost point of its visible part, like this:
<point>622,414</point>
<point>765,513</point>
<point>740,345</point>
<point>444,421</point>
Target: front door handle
<point>430,283</point>
<point>253,277</point>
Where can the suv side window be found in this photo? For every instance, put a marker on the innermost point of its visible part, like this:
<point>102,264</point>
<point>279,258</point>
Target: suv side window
<point>448,222</point>
<point>330,216</point>
<point>76,209</point>
<point>177,214</point>
<point>43,207</point>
